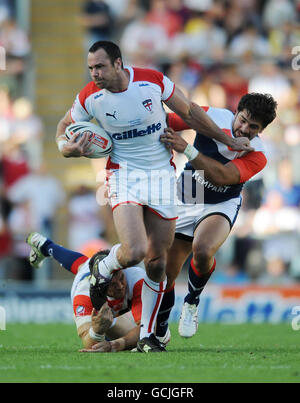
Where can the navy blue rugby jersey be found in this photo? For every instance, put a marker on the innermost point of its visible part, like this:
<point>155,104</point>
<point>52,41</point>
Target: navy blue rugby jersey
<point>193,188</point>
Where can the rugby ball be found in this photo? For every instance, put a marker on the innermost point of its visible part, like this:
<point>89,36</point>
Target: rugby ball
<point>101,142</point>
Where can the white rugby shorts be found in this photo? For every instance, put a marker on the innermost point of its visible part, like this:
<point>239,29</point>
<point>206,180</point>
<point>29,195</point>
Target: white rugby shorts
<point>157,191</point>
<point>191,215</point>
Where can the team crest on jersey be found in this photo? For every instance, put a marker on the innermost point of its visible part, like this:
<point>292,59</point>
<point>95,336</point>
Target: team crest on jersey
<point>148,104</point>
<point>80,310</point>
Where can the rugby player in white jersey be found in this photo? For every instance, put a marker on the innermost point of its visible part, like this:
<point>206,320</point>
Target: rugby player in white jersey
<point>127,103</point>
<point>216,174</point>
<point>118,319</point>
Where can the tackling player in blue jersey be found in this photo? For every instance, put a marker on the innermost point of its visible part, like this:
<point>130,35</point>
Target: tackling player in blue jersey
<point>211,202</point>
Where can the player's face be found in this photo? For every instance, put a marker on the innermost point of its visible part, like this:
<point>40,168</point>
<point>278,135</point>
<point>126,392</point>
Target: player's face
<point>117,286</point>
<point>103,72</point>
<point>245,126</point>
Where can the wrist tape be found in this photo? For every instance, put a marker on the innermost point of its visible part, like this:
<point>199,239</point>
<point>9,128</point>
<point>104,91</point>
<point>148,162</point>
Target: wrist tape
<point>96,336</point>
<point>61,144</point>
<point>190,152</point>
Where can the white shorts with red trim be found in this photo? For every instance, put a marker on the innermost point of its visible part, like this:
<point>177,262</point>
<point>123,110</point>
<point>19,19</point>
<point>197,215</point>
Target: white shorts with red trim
<point>191,215</point>
<point>154,189</point>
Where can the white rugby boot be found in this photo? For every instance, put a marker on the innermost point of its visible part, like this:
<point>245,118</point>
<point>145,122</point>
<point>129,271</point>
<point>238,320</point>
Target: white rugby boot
<point>188,322</point>
<point>36,240</point>
<point>166,338</point>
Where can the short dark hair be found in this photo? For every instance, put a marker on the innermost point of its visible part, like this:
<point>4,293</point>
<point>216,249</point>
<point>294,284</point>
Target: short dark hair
<point>261,107</point>
<point>113,51</point>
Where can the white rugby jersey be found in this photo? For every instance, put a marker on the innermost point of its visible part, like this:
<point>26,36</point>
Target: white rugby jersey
<point>192,188</point>
<point>80,294</point>
<point>135,118</point>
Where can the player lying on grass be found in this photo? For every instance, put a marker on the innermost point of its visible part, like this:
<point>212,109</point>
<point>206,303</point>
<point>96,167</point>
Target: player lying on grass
<point>118,319</point>
<point>203,226</point>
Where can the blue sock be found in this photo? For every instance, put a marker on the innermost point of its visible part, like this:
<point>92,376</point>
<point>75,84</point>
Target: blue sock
<point>197,283</point>
<point>65,257</point>
<point>164,312</point>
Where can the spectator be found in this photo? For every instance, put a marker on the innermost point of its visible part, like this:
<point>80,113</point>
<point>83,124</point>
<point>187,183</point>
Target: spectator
<point>14,165</point>
<point>278,12</point>
<point>235,19</point>
<point>278,226</point>
<point>285,186</point>
<point>85,221</point>
<point>17,47</point>
<point>201,39</point>
<point>249,41</point>
<point>178,8</point>
<point>199,6</point>
<point>5,10</point>
<point>14,39</point>
<point>42,195</point>
<point>160,15</point>
<point>144,44</point>
<point>282,40</point>
<point>6,116</point>
<point>234,86</point>
<point>247,67</point>
<point>27,130</point>
<point>273,81</point>
<point>97,21</point>
<point>209,92</point>
<point>35,199</point>
<point>276,273</point>
<point>124,12</point>
<point>186,73</point>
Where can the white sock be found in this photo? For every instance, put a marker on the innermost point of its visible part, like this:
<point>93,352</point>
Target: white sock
<point>152,294</point>
<point>110,263</point>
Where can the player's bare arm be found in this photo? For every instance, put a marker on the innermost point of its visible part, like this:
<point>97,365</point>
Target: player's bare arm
<point>75,147</point>
<point>127,342</point>
<point>215,172</point>
<point>198,120</point>
<point>91,332</point>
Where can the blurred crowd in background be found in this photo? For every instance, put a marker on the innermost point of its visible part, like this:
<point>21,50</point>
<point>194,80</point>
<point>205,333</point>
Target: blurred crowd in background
<point>215,51</point>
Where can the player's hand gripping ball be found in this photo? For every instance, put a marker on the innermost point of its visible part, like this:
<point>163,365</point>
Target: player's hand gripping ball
<point>100,141</point>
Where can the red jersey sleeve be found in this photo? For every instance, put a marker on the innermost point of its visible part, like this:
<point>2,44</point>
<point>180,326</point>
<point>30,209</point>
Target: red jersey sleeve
<point>82,305</point>
<point>77,263</point>
<point>88,90</point>
<point>176,123</point>
<point>250,164</point>
<point>136,307</point>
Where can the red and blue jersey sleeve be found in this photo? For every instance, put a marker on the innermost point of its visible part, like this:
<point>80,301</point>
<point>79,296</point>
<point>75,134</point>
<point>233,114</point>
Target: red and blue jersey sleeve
<point>250,164</point>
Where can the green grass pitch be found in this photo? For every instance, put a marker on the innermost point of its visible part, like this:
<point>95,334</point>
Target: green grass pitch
<point>218,353</point>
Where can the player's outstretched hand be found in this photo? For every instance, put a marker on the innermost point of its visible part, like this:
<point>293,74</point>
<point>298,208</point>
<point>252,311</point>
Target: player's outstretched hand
<point>101,347</point>
<point>173,140</point>
<point>102,320</point>
<point>77,146</point>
